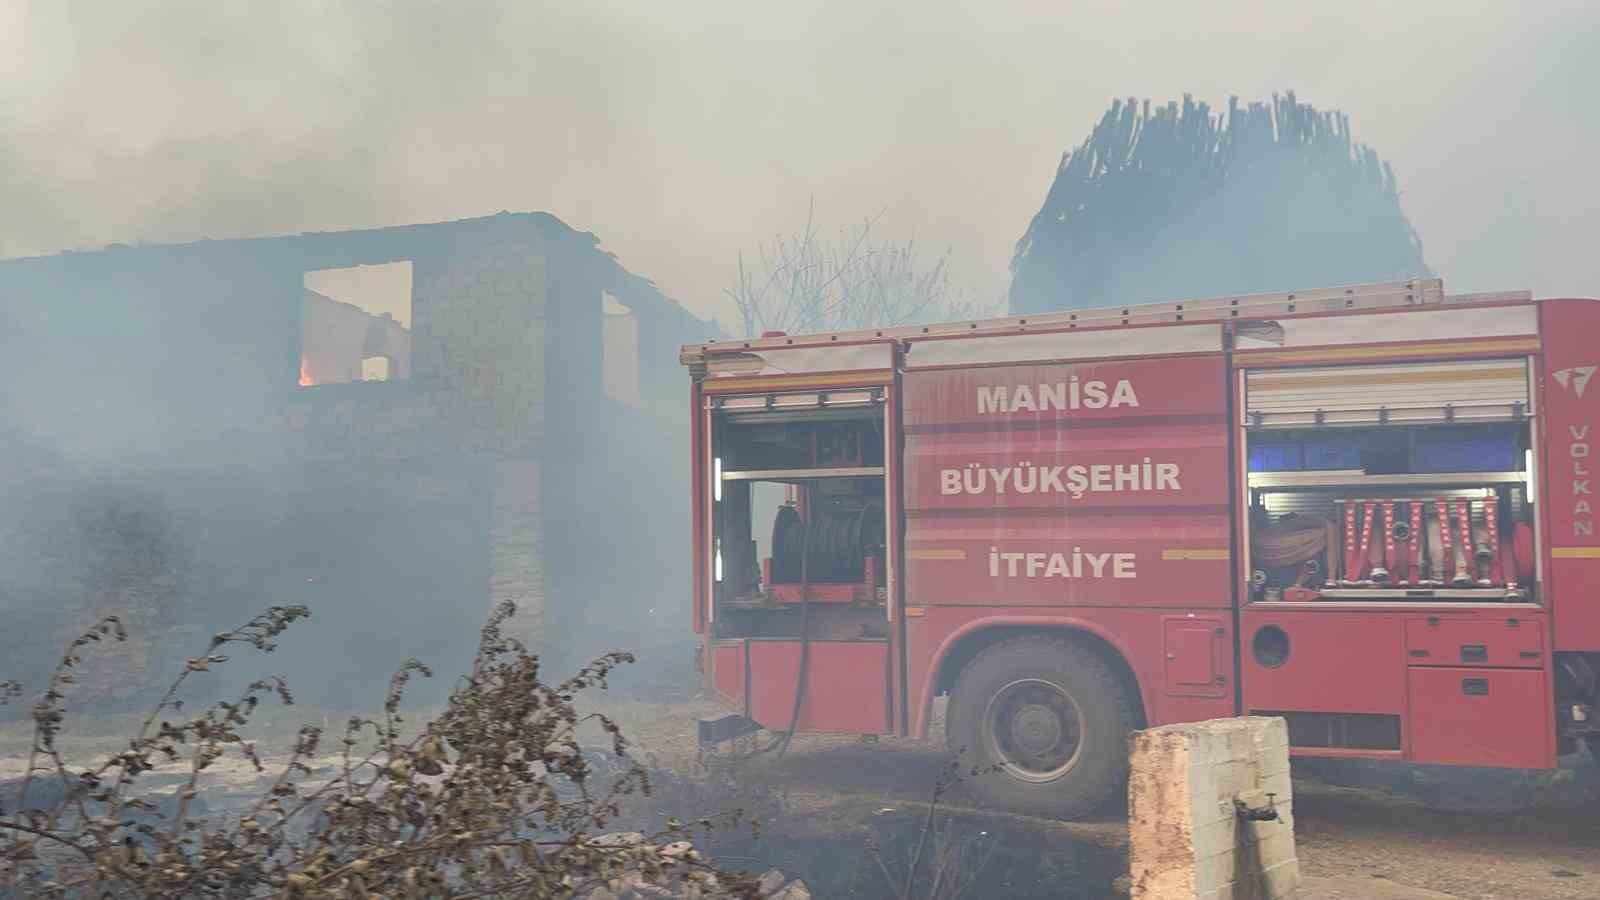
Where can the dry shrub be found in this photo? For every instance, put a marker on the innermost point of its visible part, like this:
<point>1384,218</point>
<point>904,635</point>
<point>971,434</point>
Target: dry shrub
<point>942,864</point>
<point>493,797</point>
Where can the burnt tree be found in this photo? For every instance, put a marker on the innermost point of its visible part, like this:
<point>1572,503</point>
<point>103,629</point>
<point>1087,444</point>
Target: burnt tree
<point>1176,201</point>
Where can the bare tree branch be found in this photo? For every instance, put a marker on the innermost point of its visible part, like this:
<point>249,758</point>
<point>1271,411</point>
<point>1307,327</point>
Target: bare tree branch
<point>804,283</point>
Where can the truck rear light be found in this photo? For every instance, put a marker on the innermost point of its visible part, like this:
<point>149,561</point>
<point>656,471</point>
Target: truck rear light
<point>717,569</point>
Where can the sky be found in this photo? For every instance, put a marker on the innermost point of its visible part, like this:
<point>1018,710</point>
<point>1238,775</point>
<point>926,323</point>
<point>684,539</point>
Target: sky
<point>684,133</point>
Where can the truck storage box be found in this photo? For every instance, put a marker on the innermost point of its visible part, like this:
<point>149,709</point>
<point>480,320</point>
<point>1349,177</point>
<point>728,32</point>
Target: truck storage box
<point>1480,717</point>
<point>1507,643</point>
<point>1496,453</point>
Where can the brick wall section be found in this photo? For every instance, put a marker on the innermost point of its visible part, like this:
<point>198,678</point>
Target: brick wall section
<point>1186,840</point>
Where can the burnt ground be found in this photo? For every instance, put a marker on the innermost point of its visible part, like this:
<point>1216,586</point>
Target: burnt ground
<point>845,815</point>
<point>1471,834</point>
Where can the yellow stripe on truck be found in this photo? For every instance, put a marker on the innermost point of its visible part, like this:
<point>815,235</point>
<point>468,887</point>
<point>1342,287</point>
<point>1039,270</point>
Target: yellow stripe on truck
<point>1182,553</point>
<point>932,553</point>
<point>1575,552</point>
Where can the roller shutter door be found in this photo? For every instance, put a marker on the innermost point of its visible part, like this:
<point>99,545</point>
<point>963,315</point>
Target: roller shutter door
<point>1476,391</point>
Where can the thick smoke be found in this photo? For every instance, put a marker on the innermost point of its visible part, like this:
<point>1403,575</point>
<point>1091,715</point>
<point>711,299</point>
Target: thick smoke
<point>683,133</point>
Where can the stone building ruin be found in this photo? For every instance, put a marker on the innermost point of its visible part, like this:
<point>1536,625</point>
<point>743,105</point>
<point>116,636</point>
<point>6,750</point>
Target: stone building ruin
<point>195,431</point>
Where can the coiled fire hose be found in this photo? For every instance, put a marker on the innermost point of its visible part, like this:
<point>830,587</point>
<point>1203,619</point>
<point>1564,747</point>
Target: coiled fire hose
<point>1290,541</point>
<point>832,545</point>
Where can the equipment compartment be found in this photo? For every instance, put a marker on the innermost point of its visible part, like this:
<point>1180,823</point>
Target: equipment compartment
<point>1509,643</point>
<point>1399,518</point>
<point>1480,717</point>
<point>800,519</point>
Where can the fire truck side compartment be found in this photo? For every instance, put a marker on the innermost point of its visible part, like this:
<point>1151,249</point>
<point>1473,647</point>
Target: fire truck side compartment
<point>1429,441</point>
<point>800,526</point>
<point>1505,641</point>
<point>1422,444</point>
<point>1480,717</point>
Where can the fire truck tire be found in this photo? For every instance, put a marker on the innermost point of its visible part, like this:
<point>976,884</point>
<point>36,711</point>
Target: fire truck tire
<point>1045,722</point>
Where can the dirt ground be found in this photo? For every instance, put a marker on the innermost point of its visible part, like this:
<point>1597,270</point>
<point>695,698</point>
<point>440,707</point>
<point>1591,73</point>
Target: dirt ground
<point>1364,830</point>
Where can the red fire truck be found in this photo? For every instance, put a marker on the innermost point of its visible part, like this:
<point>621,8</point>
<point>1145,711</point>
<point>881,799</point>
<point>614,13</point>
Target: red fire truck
<point>1368,510</point>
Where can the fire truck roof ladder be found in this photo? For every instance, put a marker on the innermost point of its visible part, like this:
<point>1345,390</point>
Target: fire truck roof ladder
<point>1388,295</point>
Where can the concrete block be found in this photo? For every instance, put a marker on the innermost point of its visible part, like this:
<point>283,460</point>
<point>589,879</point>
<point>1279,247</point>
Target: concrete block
<point>1187,839</point>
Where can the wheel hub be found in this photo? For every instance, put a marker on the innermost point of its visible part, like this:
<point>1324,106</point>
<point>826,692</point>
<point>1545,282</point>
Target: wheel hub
<point>1035,729</point>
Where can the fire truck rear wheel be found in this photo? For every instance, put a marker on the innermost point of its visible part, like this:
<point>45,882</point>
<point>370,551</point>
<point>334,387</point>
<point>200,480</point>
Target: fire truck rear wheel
<point>1046,723</point>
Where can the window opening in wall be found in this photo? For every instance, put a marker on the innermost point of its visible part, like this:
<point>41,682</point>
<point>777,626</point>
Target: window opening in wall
<point>375,368</point>
<point>619,335</point>
<point>356,324</point>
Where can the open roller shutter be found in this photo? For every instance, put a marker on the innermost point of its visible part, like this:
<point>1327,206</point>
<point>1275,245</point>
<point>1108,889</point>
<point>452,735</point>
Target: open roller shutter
<point>1476,391</point>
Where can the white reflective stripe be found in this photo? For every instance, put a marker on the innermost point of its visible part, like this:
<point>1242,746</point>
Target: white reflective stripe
<point>1424,325</point>
<point>1074,345</point>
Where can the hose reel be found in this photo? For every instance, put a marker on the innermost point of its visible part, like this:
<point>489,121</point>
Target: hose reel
<point>840,541</point>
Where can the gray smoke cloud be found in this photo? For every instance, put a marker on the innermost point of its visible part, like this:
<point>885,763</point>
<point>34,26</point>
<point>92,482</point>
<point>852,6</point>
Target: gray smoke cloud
<point>682,133</point>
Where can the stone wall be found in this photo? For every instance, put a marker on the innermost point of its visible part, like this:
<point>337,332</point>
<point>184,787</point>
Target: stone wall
<point>1188,840</point>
